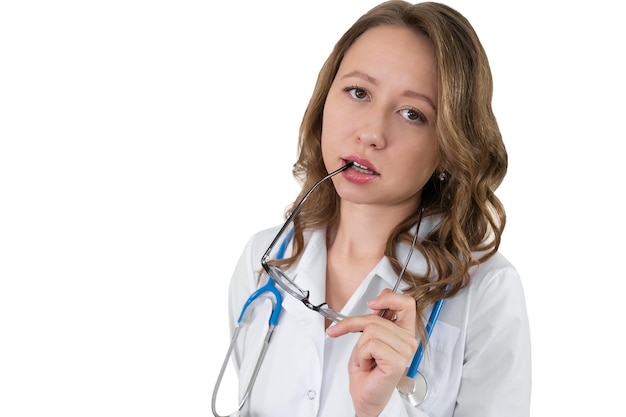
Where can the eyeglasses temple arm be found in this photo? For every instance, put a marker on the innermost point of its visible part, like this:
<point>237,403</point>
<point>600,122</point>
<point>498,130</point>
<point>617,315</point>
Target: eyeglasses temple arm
<point>297,208</point>
<point>408,258</point>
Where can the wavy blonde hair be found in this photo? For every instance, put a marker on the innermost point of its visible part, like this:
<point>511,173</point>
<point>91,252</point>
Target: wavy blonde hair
<point>470,145</point>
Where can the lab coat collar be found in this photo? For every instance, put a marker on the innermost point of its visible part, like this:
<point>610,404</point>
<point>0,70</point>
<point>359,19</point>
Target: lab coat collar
<point>309,272</point>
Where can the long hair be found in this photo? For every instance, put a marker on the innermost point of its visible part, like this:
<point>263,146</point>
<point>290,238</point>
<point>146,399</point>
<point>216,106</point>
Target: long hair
<point>471,217</point>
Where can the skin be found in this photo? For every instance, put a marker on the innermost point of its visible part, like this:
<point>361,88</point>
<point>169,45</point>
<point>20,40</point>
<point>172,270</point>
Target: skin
<point>380,112</point>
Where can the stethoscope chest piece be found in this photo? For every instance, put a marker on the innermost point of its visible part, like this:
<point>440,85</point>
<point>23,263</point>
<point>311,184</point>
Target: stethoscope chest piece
<point>413,390</point>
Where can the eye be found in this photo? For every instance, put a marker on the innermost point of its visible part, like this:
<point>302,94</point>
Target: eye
<point>357,93</point>
<point>413,116</point>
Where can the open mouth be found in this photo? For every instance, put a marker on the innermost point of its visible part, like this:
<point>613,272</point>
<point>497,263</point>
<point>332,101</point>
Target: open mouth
<point>362,168</point>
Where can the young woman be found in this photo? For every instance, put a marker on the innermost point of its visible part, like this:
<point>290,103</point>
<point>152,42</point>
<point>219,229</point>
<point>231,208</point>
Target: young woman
<point>401,117</point>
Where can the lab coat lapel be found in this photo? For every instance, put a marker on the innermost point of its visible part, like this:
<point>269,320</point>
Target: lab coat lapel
<point>383,276</point>
<point>309,273</point>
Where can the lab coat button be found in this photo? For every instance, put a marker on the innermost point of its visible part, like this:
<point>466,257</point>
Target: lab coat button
<point>311,394</point>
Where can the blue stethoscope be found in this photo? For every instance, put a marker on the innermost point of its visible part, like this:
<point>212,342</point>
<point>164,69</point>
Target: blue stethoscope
<point>269,287</point>
<point>412,387</point>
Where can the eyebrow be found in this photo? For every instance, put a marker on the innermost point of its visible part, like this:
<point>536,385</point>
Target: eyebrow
<point>406,93</point>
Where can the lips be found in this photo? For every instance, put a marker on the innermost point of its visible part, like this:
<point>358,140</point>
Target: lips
<point>362,166</point>
<point>362,169</point>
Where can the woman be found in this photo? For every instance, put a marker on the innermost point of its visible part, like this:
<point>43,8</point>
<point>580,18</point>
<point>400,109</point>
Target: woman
<point>401,116</point>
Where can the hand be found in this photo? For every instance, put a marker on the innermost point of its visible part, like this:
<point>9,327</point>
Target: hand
<point>382,353</point>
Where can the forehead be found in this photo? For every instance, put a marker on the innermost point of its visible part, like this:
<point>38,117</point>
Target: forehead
<point>394,54</point>
<point>393,41</point>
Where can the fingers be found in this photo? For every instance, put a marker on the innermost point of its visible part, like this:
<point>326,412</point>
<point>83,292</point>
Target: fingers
<point>384,349</point>
<point>399,307</point>
<point>398,334</point>
<point>386,313</point>
<point>391,359</point>
<point>374,326</point>
<point>394,306</point>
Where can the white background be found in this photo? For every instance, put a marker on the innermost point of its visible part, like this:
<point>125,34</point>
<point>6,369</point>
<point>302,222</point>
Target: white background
<point>143,142</point>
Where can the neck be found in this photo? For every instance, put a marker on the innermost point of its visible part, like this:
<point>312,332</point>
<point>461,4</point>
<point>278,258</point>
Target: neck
<point>355,246</point>
<point>363,230</point>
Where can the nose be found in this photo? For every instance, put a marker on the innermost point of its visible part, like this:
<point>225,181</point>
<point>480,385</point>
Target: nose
<point>372,133</point>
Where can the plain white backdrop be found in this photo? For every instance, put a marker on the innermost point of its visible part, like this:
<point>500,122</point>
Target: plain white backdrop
<point>143,142</point>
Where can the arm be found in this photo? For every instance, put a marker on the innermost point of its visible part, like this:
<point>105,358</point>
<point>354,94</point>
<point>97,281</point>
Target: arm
<point>496,375</point>
<point>493,364</point>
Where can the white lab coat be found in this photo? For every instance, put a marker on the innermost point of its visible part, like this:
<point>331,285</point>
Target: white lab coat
<point>477,363</point>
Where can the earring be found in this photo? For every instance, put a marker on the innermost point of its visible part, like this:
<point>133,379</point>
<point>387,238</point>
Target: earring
<point>443,175</point>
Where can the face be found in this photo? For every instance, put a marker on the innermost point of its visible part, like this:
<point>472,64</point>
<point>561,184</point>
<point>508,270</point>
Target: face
<point>380,113</point>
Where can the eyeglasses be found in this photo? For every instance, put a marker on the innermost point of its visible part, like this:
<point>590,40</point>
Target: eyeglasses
<point>287,284</point>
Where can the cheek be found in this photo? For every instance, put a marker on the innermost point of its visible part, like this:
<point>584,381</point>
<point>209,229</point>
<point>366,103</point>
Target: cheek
<point>327,143</point>
<point>329,117</point>
<point>332,126</point>
<point>424,160</point>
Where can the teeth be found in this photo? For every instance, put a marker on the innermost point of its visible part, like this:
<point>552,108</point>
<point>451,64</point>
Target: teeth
<point>361,168</point>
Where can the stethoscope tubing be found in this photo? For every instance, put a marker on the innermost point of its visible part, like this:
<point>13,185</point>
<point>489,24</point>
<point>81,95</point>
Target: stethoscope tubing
<point>432,320</point>
<point>277,306</point>
<point>273,320</point>
<point>270,286</point>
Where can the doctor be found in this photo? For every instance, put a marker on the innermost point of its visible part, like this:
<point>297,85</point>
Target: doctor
<point>404,99</point>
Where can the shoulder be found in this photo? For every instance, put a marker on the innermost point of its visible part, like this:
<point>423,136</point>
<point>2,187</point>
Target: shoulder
<point>245,276</point>
<point>259,241</point>
<point>495,293</point>
<point>494,271</point>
